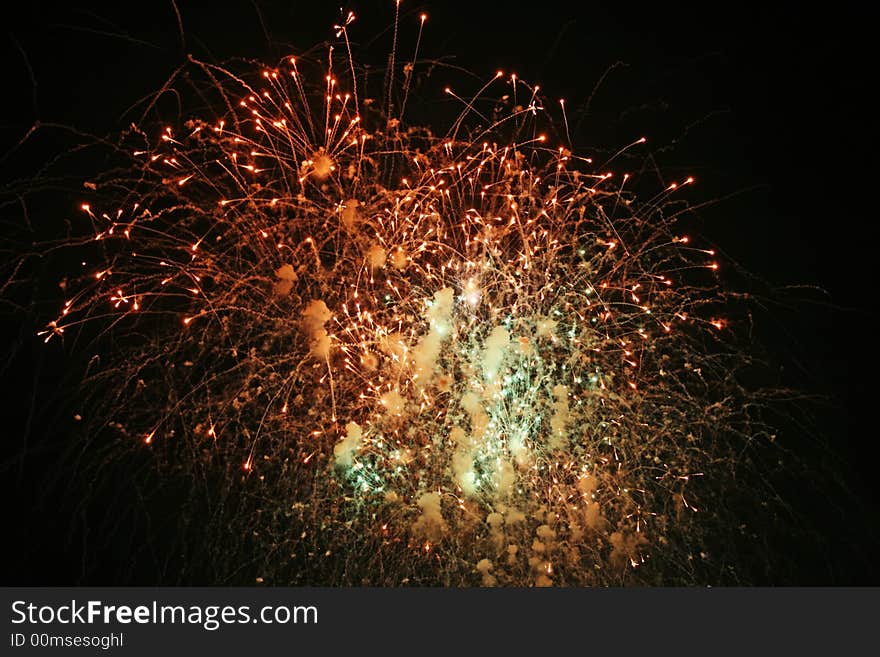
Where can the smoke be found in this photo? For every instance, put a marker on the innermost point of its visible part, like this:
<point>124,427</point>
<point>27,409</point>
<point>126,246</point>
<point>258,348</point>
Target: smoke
<point>315,315</point>
<point>346,448</point>
<point>430,525</point>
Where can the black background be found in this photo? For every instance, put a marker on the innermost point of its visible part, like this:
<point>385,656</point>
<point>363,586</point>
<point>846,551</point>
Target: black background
<point>767,104</point>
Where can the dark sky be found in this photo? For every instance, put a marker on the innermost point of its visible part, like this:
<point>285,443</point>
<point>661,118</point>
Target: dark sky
<point>768,104</point>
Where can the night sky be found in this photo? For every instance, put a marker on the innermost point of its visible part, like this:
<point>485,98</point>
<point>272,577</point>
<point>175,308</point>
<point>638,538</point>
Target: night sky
<point>767,106</point>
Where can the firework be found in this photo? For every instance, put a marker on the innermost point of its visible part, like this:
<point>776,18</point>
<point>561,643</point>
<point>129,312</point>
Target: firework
<point>379,353</point>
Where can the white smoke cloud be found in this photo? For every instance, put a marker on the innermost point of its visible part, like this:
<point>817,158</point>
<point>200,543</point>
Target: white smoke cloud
<point>314,316</point>
<point>345,449</point>
<point>430,525</point>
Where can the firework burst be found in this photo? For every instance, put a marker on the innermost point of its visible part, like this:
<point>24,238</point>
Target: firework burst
<point>383,354</point>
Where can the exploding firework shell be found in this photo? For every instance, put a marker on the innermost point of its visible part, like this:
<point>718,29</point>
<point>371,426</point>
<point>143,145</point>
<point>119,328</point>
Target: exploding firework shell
<point>408,357</point>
